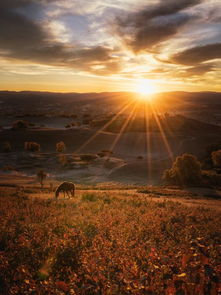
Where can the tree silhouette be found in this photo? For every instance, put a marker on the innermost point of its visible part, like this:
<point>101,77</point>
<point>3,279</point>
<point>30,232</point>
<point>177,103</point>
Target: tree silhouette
<point>216,158</point>
<point>60,147</point>
<point>41,175</point>
<point>186,170</point>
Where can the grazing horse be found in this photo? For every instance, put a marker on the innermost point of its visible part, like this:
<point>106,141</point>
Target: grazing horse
<point>65,187</point>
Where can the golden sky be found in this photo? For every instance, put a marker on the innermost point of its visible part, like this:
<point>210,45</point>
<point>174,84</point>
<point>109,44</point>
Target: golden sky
<point>110,45</point>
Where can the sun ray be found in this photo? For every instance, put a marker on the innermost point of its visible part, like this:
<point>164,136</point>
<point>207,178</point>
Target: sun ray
<point>123,127</point>
<point>148,140</point>
<point>163,135</point>
<point>124,108</point>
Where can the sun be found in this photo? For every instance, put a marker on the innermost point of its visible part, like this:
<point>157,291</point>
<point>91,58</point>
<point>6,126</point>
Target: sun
<point>145,87</point>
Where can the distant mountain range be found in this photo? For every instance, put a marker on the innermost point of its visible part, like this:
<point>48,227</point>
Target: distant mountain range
<point>27,101</point>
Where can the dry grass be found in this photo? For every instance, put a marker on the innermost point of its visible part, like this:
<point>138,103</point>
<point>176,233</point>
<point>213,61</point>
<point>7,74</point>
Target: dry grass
<point>102,242</point>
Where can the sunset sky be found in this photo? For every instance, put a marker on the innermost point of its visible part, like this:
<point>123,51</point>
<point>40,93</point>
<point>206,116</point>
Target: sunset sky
<point>110,45</point>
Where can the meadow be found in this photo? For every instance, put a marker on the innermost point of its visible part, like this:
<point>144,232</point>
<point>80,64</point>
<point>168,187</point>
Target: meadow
<point>107,242</point>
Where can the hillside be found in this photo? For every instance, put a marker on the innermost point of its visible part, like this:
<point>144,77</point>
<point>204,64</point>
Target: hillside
<point>109,242</point>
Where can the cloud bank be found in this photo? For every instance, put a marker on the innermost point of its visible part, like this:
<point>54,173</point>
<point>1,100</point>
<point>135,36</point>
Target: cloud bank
<point>115,38</point>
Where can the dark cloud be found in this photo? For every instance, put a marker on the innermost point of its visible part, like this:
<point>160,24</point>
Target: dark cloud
<point>153,34</point>
<point>11,4</point>
<point>23,38</point>
<point>163,8</point>
<point>17,32</point>
<point>200,70</point>
<point>153,25</point>
<point>198,54</point>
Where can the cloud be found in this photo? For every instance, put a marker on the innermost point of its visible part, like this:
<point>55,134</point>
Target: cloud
<point>192,72</point>
<point>199,70</point>
<point>11,4</point>
<point>18,32</point>
<point>197,54</point>
<point>31,31</point>
<point>154,24</point>
<point>21,37</point>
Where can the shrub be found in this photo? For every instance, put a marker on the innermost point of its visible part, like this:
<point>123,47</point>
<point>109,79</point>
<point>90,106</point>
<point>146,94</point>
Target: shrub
<point>20,124</point>
<point>7,147</point>
<point>32,146</point>
<point>105,153</point>
<point>73,124</point>
<point>88,157</point>
<point>186,170</point>
<point>41,175</point>
<point>140,158</point>
<point>211,178</point>
<point>63,160</point>
<point>60,147</point>
<point>216,158</point>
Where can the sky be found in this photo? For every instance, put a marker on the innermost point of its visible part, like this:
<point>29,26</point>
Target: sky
<point>110,45</point>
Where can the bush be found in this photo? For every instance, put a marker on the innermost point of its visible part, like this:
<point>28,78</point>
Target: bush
<point>211,178</point>
<point>32,146</point>
<point>186,170</point>
<point>7,147</point>
<point>140,158</point>
<point>216,158</point>
<point>60,147</point>
<point>73,124</point>
<point>105,153</point>
<point>20,124</point>
<point>63,160</point>
<point>88,157</point>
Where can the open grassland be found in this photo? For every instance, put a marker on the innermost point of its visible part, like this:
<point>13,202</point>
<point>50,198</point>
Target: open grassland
<point>108,242</point>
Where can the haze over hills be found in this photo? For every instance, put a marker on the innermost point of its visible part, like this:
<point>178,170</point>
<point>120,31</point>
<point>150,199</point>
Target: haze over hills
<point>122,122</point>
<point>43,102</point>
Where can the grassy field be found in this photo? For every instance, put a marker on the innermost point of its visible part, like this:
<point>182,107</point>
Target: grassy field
<point>108,242</point>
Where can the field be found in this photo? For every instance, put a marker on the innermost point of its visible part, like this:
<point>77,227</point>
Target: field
<point>109,242</point>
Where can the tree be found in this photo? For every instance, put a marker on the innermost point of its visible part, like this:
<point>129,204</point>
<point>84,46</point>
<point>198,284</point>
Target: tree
<point>41,175</point>
<point>60,147</point>
<point>32,146</point>
<point>7,147</point>
<point>20,124</point>
<point>216,158</point>
<point>186,170</point>
<point>63,160</point>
